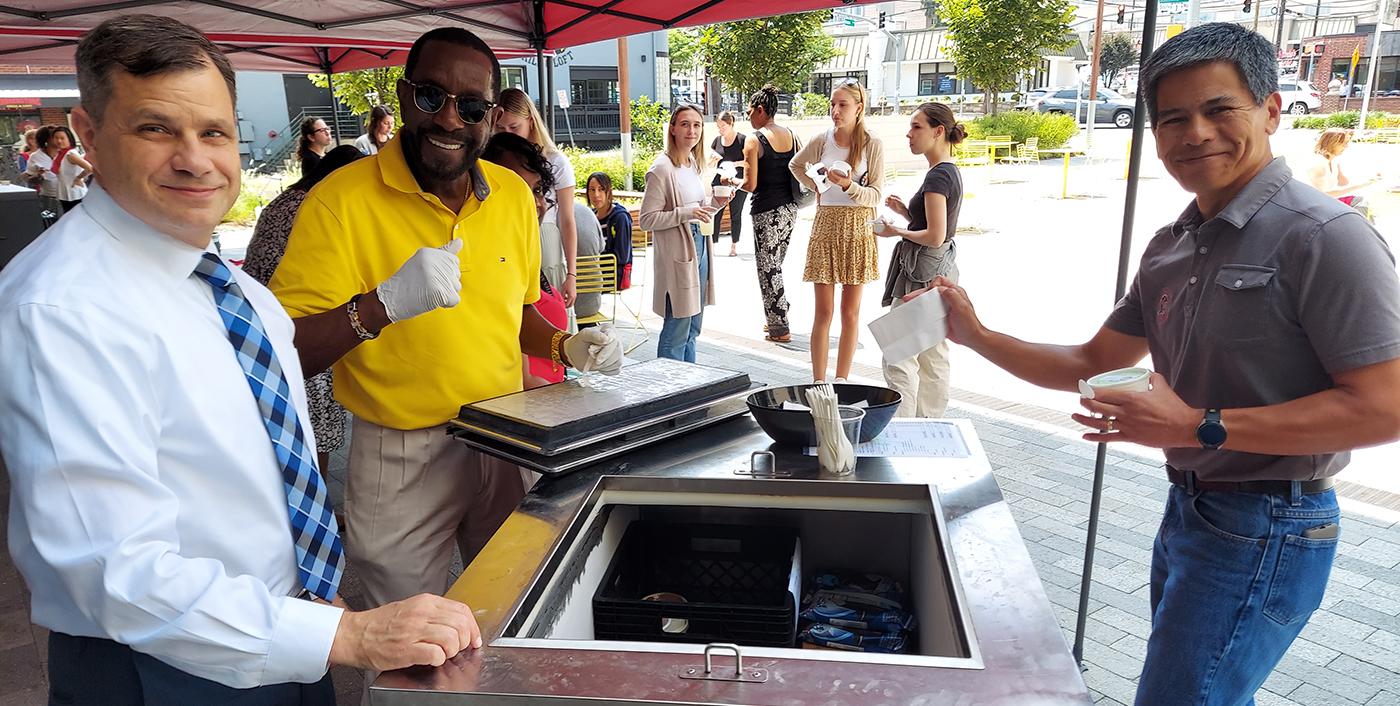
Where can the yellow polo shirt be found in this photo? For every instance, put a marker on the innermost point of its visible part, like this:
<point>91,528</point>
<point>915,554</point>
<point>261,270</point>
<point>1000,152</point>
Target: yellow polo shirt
<point>358,226</point>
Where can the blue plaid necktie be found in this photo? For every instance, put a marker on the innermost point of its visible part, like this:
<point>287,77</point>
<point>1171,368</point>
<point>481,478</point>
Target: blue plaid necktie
<point>320,558</point>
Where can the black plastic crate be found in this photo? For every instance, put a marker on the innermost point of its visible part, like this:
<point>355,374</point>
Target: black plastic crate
<point>735,579</point>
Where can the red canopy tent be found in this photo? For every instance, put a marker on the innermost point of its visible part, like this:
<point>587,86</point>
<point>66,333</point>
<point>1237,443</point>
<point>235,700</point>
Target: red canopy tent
<point>330,36</point>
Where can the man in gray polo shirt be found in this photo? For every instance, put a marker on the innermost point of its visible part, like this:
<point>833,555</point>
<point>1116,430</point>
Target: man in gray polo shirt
<point>1272,314</point>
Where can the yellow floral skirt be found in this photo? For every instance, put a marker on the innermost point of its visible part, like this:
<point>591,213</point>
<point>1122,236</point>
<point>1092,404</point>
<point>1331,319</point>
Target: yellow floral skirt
<point>842,249</point>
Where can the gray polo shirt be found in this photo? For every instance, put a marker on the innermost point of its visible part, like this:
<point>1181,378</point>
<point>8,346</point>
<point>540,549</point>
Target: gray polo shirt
<point>1261,305</point>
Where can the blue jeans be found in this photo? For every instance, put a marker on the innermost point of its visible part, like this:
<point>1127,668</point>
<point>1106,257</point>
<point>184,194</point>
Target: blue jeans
<point>679,333</point>
<point>1233,582</point>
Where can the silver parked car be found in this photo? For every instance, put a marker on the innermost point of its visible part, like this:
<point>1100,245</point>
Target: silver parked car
<point>1111,106</point>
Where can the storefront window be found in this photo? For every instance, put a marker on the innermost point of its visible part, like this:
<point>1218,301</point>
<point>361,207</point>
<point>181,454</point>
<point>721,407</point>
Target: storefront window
<point>513,77</point>
<point>1388,74</point>
<point>1341,66</point>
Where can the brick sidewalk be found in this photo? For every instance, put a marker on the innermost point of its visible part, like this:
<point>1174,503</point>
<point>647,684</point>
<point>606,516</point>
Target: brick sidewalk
<point>1348,655</point>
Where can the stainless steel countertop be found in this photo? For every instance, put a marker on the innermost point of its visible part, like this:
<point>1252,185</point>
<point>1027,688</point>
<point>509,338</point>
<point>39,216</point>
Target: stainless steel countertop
<point>1025,657</point>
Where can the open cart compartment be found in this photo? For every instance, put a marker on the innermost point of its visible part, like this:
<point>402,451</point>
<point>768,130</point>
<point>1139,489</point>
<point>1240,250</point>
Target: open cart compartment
<point>892,530</point>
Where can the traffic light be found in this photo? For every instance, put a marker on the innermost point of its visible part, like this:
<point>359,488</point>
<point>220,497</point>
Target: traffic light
<point>882,19</point>
<point>1247,4</point>
<point>1121,13</point>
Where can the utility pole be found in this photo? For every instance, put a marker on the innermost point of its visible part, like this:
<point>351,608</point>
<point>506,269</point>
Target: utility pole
<point>1370,86</point>
<point>1193,13</point>
<point>1256,16</point>
<point>1092,113</point>
<point>625,109</point>
<point>1278,30</point>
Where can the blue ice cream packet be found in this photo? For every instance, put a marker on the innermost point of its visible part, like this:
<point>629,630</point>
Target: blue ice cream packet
<point>830,610</point>
<point>853,640</point>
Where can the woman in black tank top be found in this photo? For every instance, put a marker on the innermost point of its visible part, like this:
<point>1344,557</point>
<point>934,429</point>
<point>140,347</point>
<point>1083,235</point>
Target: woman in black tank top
<point>773,208</point>
<point>732,152</point>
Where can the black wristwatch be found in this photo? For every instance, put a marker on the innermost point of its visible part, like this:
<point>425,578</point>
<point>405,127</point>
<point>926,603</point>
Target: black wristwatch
<point>1211,431</point>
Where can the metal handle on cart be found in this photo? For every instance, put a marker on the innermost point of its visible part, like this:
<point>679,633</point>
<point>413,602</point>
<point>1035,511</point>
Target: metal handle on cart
<point>738,656</point>
<point>769,464</point>
<point>740,674</point>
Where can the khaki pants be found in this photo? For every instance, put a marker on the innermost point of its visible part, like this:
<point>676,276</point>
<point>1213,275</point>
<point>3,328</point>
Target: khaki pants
<point>409,496</point>
<point>922,381</point>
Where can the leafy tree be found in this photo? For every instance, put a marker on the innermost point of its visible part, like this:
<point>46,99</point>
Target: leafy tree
<point>930,8</point>
<point>687,48</point>
<point>782,50</point>
<point>649,122</point>
<point>352,86</point>
<point>994,41</point>
<point>1118,53</point>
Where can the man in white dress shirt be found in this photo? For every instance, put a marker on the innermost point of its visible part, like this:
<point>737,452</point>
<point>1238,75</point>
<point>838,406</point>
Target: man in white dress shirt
<point>149,509</point>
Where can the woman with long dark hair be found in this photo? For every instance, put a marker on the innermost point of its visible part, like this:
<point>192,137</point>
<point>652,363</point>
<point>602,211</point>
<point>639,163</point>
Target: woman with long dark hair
<point>774,205</point>
<point>312,145</point>
<point>616,223</point>
<point>378,130</point>
<point>925,250</point>
<point>265,251</point>
<point>59,168</point>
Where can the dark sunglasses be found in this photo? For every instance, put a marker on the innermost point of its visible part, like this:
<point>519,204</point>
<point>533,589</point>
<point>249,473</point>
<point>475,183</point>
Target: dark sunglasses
<point>430,99</point>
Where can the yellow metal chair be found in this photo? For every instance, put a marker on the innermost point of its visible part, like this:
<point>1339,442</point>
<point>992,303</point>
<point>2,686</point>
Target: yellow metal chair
<point>1027,152</point>
<point>996,143</point>
<point>597,274</point>
<point>969,153</point>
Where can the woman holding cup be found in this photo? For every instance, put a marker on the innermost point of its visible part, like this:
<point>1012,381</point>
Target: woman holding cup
<point>728,149</point>
<point>925,250</point>
<point>673,207</point>
<point>842,249</point>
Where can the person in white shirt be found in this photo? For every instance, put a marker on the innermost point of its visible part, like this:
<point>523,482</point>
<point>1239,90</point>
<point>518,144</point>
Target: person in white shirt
<point>378,131</point>
<point>151,506</point>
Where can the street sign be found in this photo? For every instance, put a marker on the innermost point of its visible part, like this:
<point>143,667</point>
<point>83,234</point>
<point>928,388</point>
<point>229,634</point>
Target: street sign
<point>849,21</point>
<point>563,95</point>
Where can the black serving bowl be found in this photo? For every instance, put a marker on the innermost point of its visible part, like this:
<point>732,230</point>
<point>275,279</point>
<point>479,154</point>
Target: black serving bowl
<point>794,426</point>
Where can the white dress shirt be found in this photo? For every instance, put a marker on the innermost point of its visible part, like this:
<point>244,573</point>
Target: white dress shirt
<point>147,505</point>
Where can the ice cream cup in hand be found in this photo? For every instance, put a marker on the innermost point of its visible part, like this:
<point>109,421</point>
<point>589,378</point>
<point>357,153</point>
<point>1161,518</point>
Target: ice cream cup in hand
<point>723,192</point>
<point>1126,379</point>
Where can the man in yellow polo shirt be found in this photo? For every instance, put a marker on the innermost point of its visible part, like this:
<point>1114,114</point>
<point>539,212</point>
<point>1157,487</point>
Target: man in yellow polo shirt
<point>413,273</point>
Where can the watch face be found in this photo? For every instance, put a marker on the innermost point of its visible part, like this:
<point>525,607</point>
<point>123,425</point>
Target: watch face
<point>1211,434</point>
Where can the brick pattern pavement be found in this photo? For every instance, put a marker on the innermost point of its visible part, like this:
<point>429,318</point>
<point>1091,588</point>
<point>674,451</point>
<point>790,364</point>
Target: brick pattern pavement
<point>1349,654</point>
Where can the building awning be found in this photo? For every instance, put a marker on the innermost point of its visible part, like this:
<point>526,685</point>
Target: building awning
<point>929,45</point>
<point>853,50</point>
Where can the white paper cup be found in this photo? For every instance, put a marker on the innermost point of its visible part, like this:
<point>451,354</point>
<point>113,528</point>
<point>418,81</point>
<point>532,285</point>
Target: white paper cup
<point>878,225</point>
<point>723,192</point>
<point>1126,379</point>
<point>673,626</point>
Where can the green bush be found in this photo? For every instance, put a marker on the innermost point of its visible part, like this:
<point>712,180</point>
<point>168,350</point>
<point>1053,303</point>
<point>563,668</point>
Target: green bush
<point>1310,122</point>
<point>811,105</point>
<point>1053,130</point>
<point>1344,119</point>
<point>649,122</point>
<point>610,163</point>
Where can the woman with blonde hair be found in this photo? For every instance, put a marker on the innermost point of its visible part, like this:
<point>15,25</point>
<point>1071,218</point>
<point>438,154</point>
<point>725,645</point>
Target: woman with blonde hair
<point>515,113</point>
<point>924,252</point>
<point>673,207</point>
<point>1326,174</point>
<point>842,249</point>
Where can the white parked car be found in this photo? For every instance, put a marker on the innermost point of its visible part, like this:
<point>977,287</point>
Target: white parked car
<point>1299,96</point>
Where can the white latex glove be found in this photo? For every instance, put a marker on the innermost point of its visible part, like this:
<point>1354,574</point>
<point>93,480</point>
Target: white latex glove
<point>430,279</point>
<point>593,349</point>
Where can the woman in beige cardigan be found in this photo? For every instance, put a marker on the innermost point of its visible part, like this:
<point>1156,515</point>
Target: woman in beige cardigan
<point>673,207</point>
<point>842,249</point>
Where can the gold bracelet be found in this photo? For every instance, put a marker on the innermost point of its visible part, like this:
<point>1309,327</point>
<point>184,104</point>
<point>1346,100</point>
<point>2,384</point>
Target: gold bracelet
<point>555,353</point>
<point>352,309</point>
